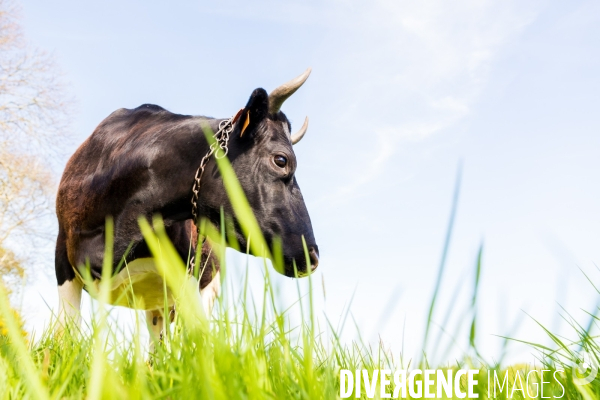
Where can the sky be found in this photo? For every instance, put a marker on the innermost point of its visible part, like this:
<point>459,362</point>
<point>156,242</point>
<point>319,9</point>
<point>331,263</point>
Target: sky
<point>404,97</point>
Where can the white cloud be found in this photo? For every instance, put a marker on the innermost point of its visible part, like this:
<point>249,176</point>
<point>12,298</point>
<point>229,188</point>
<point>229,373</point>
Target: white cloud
<point>418,68</point>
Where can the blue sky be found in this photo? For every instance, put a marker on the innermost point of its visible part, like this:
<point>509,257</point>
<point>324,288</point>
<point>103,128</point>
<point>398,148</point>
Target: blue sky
<point>401,93</point>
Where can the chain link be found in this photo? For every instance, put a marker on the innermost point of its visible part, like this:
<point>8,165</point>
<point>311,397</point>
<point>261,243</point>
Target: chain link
<point>219,149</point>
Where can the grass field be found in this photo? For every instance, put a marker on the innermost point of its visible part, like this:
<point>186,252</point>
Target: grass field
<point>241,353</point>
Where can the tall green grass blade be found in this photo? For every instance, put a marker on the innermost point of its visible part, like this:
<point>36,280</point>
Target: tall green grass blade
<point>173,271</point>
<point>99,367</point>
<point>442,266</point>
<point>29,374</point>
<point>240,205</point>
<point>473,330</point>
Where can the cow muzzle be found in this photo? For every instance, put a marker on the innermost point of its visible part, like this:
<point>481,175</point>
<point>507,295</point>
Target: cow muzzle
<point>313,253</point>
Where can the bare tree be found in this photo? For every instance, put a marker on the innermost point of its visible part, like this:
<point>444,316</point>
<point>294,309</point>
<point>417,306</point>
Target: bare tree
<point>33,121</point>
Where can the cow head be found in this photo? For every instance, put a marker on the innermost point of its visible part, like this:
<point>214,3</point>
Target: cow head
<point>262,156</point>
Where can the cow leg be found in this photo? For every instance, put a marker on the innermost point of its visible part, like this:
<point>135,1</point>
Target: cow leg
<point>69,303</point>
<point>156,326</point>
<point>156,323</point>
<point>210,293</point>
<point>210,281</point>
<point>69,286</point>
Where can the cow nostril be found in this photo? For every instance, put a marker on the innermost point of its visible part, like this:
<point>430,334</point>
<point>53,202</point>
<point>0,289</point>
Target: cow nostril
<point>314,258</point>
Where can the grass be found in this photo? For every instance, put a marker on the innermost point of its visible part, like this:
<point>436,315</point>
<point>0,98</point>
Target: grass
<point>243,352</point>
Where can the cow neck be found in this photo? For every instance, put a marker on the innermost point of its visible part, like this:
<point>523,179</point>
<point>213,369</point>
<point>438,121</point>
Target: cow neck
<point>219,149</point>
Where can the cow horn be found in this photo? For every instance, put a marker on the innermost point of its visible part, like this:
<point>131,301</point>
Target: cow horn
<point>280,94</point>
<point>296,137</point>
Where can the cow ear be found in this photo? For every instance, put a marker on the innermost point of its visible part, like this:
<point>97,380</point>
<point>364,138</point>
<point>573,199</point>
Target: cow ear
<point>254,113</point>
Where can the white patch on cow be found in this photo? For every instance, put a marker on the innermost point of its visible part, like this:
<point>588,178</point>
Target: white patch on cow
<point>139,286</point>
<point>210,293</point>
<point>69,303</point>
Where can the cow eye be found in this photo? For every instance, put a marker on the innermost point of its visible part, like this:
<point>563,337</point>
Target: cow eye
<point>280,161</point>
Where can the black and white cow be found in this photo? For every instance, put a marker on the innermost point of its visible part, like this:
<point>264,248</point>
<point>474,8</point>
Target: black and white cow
<point>142,162</point>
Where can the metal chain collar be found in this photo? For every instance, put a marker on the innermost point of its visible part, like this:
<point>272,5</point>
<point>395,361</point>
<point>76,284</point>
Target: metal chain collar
<point>221,141</point>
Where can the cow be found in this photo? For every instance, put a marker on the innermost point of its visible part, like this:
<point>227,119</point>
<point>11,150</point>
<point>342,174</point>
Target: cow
<point>145,161</point>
